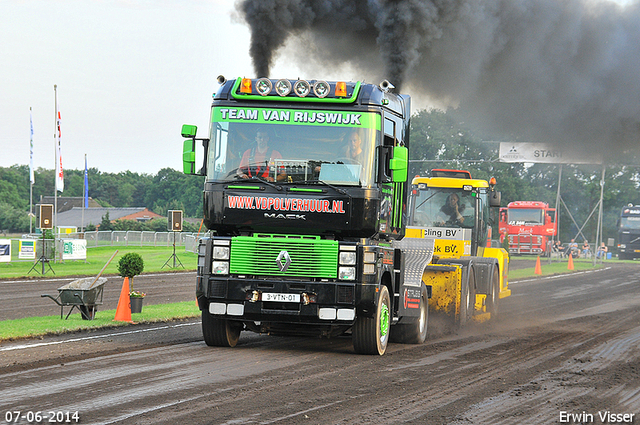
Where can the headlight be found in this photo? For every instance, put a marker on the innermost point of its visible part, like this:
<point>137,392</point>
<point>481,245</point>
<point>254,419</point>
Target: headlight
<point>301,88</point>
<point>321,88</point>
<point>369,269</point>
<point>347,273</point>
<point>347,258</point>
<point>220,267</point>
<point>369,257</point>
<point>264,86</point>
<point>283,87</point>
<point>221,252</point>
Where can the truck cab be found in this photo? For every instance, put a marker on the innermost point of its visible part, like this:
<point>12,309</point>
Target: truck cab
<point>302,227</point>
<point>629,232</point>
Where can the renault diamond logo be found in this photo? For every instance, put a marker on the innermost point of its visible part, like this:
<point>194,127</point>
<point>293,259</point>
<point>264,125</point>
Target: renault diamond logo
<point>283,260</point>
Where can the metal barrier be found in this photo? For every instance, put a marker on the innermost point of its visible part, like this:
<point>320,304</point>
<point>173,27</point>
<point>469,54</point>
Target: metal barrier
<point>136,238</point>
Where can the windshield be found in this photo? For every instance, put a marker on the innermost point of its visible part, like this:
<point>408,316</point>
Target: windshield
<point>520,217</point>
<point>444,208</point>
<point>630,223</point>
<point>290,146</point>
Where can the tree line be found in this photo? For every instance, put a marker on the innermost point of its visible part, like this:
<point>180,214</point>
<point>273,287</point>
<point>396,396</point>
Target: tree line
<point>438,140</point>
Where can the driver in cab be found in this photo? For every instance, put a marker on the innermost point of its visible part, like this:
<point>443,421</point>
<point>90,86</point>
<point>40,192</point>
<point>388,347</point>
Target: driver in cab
<point>452,210</point>
<point>257,161</point>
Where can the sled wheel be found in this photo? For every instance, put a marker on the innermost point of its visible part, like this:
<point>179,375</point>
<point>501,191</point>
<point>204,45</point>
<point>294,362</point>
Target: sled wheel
<point>494,299</point>
<point>467,300</point>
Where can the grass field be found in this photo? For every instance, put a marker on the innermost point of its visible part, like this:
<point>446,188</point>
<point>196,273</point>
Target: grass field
<point>154,258</point>
<point>50,325</point>
<point>555,268</point>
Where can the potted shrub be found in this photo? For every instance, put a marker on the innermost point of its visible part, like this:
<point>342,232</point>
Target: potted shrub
<point>131,265</point>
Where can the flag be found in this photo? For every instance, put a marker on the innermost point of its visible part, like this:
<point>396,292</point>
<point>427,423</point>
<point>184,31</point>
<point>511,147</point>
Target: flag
<point>32,176</point>
<point>86,184</point>
<point>59,172</point>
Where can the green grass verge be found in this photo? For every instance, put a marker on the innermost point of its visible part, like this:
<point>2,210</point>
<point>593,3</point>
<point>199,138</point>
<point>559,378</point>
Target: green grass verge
<point>554,268</point>
<point>38,326</point>
<point>154,260</point>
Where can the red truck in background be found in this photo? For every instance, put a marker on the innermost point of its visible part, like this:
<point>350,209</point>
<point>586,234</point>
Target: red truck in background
<point>529,225</point>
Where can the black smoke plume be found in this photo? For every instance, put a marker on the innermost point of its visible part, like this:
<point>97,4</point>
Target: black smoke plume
<point>553,71</point>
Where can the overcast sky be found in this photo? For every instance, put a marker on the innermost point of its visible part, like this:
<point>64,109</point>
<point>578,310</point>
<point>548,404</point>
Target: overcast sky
<point>129,73</point>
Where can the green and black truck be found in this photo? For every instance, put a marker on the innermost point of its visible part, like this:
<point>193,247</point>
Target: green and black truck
<point>305,199</point>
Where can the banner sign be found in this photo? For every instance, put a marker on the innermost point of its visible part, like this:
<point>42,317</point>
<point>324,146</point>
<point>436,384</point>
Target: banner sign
<point>296,116</point>
<point>548,154</point>
<point>268,203</point>
<point>74,249</point>
<point>26,249</point>
<point>5,250</point>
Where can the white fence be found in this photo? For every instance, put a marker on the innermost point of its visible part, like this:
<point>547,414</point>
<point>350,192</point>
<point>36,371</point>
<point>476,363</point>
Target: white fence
<point>136,238</point>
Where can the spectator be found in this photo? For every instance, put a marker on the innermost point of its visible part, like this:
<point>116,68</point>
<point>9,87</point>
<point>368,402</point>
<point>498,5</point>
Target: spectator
<point>559,248</point>
<point>573,249</point>
<point>586,249</point>
<point>602,251</point>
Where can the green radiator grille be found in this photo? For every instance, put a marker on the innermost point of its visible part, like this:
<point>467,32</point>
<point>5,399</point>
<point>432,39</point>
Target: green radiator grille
<point>310,256</point>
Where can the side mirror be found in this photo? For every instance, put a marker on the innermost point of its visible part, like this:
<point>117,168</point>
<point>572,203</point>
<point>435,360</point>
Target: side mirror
<point>495,198</point>
<point>189,131</point>
<point>189,156</point>
<point>399,164</point>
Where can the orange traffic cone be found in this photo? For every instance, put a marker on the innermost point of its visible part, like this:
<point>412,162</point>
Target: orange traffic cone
<point>570,265</point>
<point>123,312</point>
<point>538,269</point>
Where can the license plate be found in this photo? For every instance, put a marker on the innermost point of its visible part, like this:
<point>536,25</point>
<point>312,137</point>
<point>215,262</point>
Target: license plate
<point>282,298</point>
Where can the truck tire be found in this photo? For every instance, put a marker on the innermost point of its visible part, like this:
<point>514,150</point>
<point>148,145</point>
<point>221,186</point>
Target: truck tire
<point>371,334</point>
<point>219,332</point>
<point>414,332</point>
<point>467,301</point>
<point>494,299</point>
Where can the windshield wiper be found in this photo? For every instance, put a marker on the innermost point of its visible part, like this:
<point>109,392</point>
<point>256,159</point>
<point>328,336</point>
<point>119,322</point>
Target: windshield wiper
<point>337,189</point>
<point>258,179</point>
<point>434,194</point>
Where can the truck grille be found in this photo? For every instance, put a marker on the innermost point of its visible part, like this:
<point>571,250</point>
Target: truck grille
<point>310,256</point>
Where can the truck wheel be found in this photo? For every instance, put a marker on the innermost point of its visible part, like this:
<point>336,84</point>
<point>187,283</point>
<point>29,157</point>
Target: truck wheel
<point>494,299</point>
<point>414,332</point>
<point>371,334</point>
<point>219,332</point>
<point>467,301</point>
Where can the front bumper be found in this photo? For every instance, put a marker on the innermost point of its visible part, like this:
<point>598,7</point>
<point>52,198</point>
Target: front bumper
<point>321,303</point>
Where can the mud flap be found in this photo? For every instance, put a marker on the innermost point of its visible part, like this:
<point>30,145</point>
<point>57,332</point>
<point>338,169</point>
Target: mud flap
<point>446,284</point>
<point>417,254</point>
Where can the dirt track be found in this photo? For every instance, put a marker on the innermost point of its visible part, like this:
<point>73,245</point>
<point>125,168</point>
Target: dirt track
<point>562,345</point>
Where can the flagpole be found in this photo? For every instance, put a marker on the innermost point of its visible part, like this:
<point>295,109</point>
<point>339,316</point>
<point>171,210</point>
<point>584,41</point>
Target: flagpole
<point>84,194</point>
<point>55,174</point>
<point>31,172</point>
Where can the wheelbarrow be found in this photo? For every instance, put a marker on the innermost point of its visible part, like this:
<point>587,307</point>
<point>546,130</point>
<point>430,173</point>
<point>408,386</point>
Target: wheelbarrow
<point>84,294</point>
